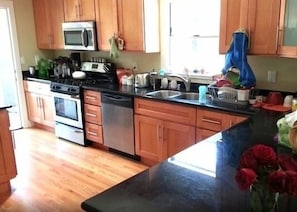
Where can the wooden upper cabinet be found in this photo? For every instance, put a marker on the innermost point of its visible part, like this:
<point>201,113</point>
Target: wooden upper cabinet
<point>48,17</point>
<point>288,29</point>
<point>107,22</point>
<point>230,21</point>
<point>79,10</point>
<point>263,19</point>
<point>258,18</point>
<point>135,21</point>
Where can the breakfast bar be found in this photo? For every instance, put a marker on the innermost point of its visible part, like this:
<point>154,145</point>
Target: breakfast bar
<point>200,178</point>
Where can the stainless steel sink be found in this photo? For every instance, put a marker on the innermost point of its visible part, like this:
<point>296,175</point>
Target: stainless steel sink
<point>165,94</point>
<point>188,96</point>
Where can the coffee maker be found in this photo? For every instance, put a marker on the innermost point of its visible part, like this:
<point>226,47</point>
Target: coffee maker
<point>75,59</point>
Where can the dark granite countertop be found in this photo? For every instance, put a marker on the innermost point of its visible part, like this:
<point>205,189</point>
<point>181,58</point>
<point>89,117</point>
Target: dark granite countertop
<point>200,178</point>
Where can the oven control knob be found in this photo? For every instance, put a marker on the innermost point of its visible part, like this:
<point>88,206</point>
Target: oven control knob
<point>71,90</point>
<point>57,87</point>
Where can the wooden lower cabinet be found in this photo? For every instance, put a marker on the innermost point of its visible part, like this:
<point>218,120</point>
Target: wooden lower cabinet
<point>210,122</point>
<point>92,114</point>
<point>157,139</point>
<point>40,103</point>
<point>7,158</point>
<point>94,132</point>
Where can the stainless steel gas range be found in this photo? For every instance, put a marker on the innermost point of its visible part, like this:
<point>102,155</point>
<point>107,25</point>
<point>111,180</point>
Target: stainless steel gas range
<point>68,99</point>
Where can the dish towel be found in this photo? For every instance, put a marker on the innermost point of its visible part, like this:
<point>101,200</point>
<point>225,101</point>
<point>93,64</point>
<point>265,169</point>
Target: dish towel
<point>114,51</point>
<point>236,57</point>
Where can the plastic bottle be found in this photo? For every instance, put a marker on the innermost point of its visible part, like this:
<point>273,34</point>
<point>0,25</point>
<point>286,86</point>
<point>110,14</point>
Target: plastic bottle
<point>202,94</point>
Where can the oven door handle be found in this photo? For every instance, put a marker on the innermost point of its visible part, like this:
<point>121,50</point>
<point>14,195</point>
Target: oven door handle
<point>74,97</point>
<point>84,37</point>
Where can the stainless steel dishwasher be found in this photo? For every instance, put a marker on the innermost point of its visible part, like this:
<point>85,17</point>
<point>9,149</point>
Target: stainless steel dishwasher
<point>117,122</point>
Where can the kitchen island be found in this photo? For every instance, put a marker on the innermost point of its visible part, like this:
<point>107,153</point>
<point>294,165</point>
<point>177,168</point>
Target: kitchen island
<point>200,178</point>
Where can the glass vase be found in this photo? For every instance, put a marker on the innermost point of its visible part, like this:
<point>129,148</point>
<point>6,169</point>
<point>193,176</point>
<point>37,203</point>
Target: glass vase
<point>262,199</point>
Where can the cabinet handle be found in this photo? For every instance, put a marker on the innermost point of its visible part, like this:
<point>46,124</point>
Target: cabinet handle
<point>79,11</point>
<point>41,102</point>
<point>250,39</point>
<point>76,11</point>
<point>160,132</point>
<point>91,114</point>
<point>92,133</point>
<point>230,123</point>
<point>38,103</point>
<point>277,37</point>
<point>91,97</point>
<point>211,121</point>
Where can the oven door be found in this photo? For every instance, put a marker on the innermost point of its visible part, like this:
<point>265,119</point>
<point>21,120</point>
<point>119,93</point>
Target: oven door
<point>68,109</point>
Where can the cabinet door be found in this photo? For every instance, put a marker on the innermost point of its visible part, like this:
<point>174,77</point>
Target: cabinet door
<point>87,10</point>
<point>176,137</point>
<point>56,18</point>
<point>48,17</point>
<point>106,22</point>
<point>33,107</point>
<point>258,18</point>
<point>263,19</point>
<point>288,29</point>
<point>7,159</point>
<point>47,110</point>
<point>231,19</point>
<point>92,97</point>
<point>92,114</point>
<point>94,133</point>
<point>148,137</point>
<point>130,18</point>
<point>79,10</point>
<point>42,25</point>
<point>71,10</point>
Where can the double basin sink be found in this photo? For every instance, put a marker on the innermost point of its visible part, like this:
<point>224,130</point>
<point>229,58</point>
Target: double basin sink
<point>174,95</point>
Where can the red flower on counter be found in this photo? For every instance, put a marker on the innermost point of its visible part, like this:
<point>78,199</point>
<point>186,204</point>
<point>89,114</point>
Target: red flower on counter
<point>260,165</point>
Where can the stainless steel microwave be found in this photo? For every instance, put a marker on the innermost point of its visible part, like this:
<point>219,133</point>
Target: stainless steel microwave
<point>79,35</point>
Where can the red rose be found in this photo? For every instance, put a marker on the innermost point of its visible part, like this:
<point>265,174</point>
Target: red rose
<point>276,181</point>
<point>248,160</point>
<point>291,183</point>
<point>245,178</point>
<point>287,163</point>
<point>264,154</point>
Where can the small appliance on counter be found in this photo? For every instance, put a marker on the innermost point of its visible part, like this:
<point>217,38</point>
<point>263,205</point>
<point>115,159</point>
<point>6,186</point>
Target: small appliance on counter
<point>142,80</point>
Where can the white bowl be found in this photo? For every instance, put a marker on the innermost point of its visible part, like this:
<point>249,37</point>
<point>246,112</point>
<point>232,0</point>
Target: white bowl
<point>79,75</point>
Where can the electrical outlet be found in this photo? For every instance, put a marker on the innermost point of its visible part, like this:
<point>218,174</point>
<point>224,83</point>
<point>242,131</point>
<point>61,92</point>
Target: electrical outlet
<point>134,64</point>
<point>271,76</point>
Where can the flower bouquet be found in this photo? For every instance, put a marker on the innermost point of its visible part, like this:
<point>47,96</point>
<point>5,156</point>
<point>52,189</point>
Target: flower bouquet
<point>266,175</point>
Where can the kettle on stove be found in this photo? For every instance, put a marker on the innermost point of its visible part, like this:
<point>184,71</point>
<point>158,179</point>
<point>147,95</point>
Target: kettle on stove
<point>141,80</point>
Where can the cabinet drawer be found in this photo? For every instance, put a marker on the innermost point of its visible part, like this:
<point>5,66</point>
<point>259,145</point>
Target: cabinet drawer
<point>210,120</point>
<point>94,133</point>
<point>92,97</point>
<point>36,87</point>
<point>165,111</point>
<point>92,114</point>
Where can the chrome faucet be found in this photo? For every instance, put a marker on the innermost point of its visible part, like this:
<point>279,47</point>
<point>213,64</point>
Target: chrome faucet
<point>185,80</point>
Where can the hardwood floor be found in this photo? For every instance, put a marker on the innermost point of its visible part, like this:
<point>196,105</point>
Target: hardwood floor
<point>57,175</point>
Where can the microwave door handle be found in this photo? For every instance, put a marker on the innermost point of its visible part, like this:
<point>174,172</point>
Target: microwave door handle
<point>84,37</point>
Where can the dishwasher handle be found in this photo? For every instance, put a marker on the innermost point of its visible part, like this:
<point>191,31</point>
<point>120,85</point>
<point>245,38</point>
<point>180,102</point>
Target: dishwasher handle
<point>119,100</point>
